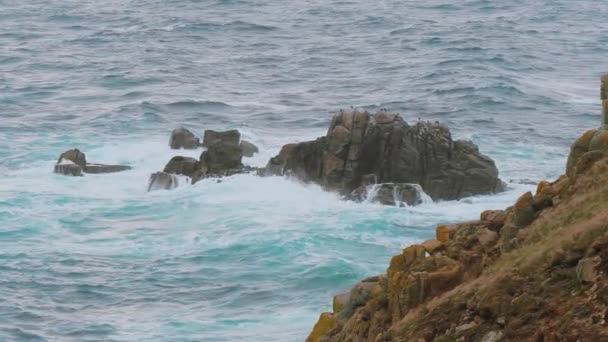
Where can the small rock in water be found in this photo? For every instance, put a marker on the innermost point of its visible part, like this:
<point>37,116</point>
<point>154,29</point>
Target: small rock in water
<point>389,194</point>
<point>162,181</point>
<point>75,156</point>
<point>248,148</point>
<point>183,138</point>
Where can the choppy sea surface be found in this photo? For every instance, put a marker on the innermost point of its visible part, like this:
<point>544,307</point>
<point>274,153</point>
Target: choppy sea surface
<point>252,259</point>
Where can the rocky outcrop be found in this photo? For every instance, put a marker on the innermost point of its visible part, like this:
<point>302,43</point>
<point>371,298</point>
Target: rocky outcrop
<point>74,163</point>
<point>222,157</point>
<point>536,271</point>
<point>359,145</point>
<point>162,181</point>
<point>183,138</point>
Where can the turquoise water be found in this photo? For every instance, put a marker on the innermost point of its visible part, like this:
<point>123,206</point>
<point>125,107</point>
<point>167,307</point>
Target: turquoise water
<point>253,259</point>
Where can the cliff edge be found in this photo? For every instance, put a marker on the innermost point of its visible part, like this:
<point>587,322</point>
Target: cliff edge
<point>536,271</point>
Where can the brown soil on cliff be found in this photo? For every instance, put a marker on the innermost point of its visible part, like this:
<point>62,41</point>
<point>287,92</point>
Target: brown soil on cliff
<point>536,271</point>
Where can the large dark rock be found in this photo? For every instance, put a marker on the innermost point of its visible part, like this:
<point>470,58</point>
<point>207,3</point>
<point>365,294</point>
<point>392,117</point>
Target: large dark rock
<point>182,166</point>
<point>183,138</point>
<point>220,159</point>
<point>162,181</point>
<point>231,137</point>
<point>384,145</point>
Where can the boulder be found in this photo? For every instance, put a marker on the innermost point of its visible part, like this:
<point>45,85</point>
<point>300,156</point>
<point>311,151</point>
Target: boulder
<point>183,138</point>
<point>162,181</point>
<point>220,159</point>
<point>182,166</point>
<point>248,148</point>
<point>358,144</point>
<point>389,194</point>
<point>75,156</point>
<point>231,137</point>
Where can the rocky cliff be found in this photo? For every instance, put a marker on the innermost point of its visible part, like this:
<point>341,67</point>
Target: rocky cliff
<point>536,271</point>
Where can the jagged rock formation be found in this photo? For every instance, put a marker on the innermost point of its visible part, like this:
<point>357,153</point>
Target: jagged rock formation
<point>223,157</point>
<point>183,138</point>
<point>248,148</point>
<point>359,145</point>
<point>74,163</point>
<point>536,271</point>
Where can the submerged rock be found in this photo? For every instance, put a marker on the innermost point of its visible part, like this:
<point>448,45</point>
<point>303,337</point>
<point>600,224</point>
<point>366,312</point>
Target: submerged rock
<point>162,181</point>
<point>102,168</point>
<point>248,148</point>
<point>183,138</point>
<point>359,144</point>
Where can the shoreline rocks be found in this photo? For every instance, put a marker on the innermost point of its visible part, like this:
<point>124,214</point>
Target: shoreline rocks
<point>534,271</point>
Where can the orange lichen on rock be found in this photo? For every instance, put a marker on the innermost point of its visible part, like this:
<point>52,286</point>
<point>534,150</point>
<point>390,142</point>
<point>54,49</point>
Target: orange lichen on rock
<point>327,322</point>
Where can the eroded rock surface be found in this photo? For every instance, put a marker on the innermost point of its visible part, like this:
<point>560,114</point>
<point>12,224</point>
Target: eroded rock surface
<point>74,163</point>
<point>358,144</point>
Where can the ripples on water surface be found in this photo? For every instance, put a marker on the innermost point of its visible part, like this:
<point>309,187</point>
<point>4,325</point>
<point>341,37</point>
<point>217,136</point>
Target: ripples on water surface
<point>98,258</point>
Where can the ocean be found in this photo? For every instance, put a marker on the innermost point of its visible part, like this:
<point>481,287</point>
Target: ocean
<point>97,258</point>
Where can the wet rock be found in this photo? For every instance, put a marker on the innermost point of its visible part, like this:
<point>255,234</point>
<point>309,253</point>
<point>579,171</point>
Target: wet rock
<point>75,156</point>
<point>248,148</point>
<point>389,194</point>
<point>183,138</point>
<point>68,168</point>
<point>231,137</point>
<point>221,157</point>
<point>182,166</point>
<point>102,168</point>
<point>162,181</point>
<point>359,144</point>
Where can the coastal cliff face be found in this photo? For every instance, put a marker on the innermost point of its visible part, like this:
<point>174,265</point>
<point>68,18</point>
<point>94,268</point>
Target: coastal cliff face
<point>535,271</point>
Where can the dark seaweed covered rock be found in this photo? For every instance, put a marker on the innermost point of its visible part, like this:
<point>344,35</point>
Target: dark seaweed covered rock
<point>358,144</point>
